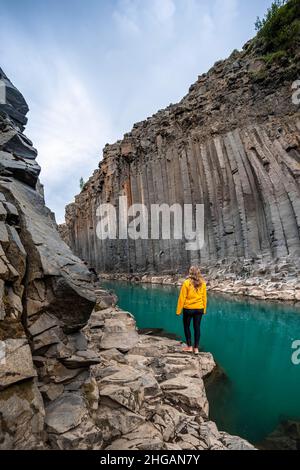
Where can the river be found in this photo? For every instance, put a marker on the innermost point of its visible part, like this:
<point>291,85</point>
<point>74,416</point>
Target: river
<point>250,340</point>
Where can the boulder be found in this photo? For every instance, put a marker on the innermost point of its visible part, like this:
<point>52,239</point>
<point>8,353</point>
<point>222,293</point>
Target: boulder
<point>186,393</point>
<point>131,395</point>
<point>120,333</point>
<point>22,417</point>
<point>81,359</point>
<point>235,442</point>
<point>16,365</point>
<point>86,436</point>
<point>17,154</point>
<point>286,436</point>
<point>65,413</point>
<point>146,437</point>
<point>57,280</point>
<point>115,421</point>
<point>169,421</point>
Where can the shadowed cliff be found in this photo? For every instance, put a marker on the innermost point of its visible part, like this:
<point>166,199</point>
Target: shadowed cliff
<point>231,144</point>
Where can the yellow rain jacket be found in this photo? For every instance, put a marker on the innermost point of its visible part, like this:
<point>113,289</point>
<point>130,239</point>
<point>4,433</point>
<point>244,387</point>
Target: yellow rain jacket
<point>191,298</point>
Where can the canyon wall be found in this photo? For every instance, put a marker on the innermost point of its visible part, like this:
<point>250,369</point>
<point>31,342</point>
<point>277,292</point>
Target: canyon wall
<point>231,144</point>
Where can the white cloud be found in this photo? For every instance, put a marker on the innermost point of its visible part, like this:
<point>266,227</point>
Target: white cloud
<point>67,124</point>
<point>164,10</point>
<point>225,12</point>
<point>126,17</point>
<point>135,17</point>
<point>68,129</point>
<point>90,90</point>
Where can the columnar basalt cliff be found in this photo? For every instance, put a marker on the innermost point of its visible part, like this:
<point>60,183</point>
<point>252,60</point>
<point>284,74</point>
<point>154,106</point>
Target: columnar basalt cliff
<point>231,144</point>
<point>74,372</point>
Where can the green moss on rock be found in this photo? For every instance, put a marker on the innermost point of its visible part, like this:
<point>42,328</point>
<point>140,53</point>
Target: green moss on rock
<point>279,31</point>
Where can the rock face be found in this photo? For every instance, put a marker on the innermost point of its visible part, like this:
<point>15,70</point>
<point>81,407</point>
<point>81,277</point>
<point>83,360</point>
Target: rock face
<point>285,437</point>
<point>45,291</point>
<point>231,144</point>
<point>17,155</point>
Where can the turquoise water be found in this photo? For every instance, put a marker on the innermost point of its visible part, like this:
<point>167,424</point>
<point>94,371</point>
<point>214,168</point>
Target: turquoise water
<point>251,341</point>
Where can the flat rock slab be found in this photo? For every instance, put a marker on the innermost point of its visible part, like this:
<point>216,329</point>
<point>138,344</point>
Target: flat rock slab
<point>47,338</point>
<point>65,413</point>
<point>81,359</point>
<point>60,374</point>
<point>86,436</point>
<point>188,393</point>
<point>155,346</point>
<point>117,421</point>
<point>146,437</point>
<point>131,395</point>
<point>169,421</point>
<point>22,417</point>
<point>123,376</point>
<point>17,364</point>
<point>43,323</point>
<point>119,333</point>
<point>235,442</point>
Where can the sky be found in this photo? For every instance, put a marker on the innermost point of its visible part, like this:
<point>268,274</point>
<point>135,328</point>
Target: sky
<point>90,69</point>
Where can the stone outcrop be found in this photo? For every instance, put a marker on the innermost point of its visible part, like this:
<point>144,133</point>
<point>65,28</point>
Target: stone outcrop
<point>231,144</point>
<point>74,371</point>
<point>151,395</point>
<point>17,154</point>
<point>285,437</point>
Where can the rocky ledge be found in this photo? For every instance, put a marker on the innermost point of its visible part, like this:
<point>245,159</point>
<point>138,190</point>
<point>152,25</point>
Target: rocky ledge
<point>141,392</point>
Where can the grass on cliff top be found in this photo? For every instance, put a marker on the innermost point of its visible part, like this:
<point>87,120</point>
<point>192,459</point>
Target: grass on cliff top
<point>279,31</point>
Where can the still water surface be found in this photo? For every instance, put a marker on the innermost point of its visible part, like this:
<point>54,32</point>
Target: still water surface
<point>251,341</point>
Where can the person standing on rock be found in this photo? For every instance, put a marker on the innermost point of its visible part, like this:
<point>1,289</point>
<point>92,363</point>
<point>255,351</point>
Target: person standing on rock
<point>192,301</point>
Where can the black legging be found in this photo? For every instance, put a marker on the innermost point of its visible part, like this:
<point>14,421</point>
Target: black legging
<point>196,315</point>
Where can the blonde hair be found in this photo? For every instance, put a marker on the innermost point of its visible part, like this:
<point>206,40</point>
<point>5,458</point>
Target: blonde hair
<point>195,276</point>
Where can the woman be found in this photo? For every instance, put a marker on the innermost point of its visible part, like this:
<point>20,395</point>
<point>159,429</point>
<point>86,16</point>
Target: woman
<point>192,300</point>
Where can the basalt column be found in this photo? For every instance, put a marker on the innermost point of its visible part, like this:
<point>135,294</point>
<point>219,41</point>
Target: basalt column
<point>232,144</point>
